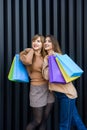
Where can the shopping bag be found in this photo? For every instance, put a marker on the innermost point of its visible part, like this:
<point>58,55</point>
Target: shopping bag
<point>65,75</point>
<point>70,67</point>
<point>55,75</point>
<point>18,72</point>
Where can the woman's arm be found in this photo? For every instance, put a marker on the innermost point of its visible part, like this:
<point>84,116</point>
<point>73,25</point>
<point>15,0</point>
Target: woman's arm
<point>26,56</point>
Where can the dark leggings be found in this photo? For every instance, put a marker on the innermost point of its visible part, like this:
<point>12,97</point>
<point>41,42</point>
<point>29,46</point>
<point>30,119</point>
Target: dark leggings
<point>40,116</point>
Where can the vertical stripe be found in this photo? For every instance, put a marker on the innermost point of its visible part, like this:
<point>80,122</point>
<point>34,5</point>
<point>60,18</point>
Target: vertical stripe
<point>71,28</point>
<point>47,16</point>
<point>55,14</point>
<point>79,51</point>
<point>25,24</point>
<point>1,65</point>
<point>32,11</point>
<point>85,63</point>
<point>63,18</point>
<point>17,48</point>
<point>8,62</point>
<point>39,16</point>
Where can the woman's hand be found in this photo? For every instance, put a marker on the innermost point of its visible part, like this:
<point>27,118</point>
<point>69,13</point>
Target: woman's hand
<point>26,56</point>
<point>27,50</point>
<point>51,52</point>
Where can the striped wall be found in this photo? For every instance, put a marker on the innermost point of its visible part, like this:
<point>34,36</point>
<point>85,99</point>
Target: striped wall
<point>19,21</point>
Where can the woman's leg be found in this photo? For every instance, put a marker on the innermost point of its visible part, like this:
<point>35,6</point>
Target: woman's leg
<point>37,118</point>
<point>47,112</point>
<point>65,111</point>
<point>77,120</point>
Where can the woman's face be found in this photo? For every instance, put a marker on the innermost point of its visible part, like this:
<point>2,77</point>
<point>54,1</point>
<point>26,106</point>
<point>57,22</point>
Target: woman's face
<point>48,44</point>
<point>37,44</point>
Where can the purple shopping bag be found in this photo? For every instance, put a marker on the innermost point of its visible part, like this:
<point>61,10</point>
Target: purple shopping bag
<point>55,75</point>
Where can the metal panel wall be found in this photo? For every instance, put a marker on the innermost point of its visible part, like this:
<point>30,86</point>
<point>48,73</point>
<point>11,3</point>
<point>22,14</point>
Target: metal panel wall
<point>19,21</point>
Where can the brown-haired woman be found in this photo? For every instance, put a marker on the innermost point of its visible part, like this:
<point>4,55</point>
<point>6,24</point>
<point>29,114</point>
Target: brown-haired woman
<point>41,100</point>
<point>65,93</point>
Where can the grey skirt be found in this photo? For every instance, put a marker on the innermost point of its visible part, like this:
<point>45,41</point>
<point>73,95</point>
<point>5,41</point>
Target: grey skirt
<point>40,96</point>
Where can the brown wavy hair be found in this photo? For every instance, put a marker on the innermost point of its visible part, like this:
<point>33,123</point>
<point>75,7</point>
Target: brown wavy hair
<point>55,43</point>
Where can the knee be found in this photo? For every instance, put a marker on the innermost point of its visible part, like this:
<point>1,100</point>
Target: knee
<point>38,122</point>
<point>33,124</point>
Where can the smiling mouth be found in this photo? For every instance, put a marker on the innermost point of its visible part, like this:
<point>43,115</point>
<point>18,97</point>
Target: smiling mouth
<point>46,46</point>
<point>35,46</point>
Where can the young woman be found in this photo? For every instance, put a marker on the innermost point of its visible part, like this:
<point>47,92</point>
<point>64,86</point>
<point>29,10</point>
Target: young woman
<point>41,100</point>
<point>66,93</point>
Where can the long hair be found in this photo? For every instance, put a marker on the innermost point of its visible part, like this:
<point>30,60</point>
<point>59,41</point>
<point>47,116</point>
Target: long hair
<point>42,38</point>
<point>55,43</point>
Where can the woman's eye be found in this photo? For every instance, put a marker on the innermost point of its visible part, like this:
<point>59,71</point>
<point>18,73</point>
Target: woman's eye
<point>38,40</point>
<point>47,41</point>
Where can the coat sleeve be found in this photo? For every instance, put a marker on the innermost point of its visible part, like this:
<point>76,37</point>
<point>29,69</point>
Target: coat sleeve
<point>26,56</point>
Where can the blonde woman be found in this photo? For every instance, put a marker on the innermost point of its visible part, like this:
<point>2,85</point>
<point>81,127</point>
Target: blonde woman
<point>41,100</point>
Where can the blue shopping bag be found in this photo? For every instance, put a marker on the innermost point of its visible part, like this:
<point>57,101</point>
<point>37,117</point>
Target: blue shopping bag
<point>18,72</point>
<point>71,68</point>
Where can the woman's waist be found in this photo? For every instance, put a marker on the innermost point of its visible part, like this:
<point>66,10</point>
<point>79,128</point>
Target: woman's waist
<point>37,82</point>
<point>35,75</point>
<point>67,89</point>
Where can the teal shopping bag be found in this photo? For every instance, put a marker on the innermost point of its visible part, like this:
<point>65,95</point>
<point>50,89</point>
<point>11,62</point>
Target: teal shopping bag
<point>18,72</point>
<point>69,66</point>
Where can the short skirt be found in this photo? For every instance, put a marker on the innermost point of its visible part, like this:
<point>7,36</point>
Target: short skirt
<point>40,96</point>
